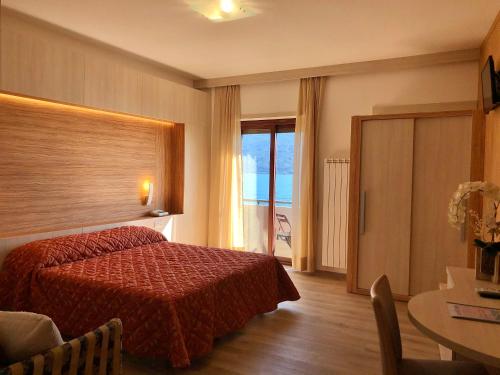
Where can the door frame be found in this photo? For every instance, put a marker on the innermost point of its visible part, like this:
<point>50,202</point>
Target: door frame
<point>476,173</point>
<point>272,127</point>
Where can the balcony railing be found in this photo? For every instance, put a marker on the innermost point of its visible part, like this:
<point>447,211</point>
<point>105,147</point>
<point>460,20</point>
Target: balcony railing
<point>263,202</point>
<point>256,216</point>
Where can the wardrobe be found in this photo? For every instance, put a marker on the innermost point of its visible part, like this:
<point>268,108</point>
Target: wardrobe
<point>404,169</point>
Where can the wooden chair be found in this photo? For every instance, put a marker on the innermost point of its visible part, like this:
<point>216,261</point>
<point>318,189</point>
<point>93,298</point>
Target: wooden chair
<point>97,352</point>
<point>390,341</point>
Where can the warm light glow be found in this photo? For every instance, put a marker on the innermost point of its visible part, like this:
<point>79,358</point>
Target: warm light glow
<point>215,16</point>
<point>227,6</point>
<point>223,10</point>
<point>27,100</point>
<point>147,186</point>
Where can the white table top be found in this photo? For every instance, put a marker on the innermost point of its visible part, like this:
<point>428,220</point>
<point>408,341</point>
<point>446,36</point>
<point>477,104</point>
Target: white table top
<point>475,340</point>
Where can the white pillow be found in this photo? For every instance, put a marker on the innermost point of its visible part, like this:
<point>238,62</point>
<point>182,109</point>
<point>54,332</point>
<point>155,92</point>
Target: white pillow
<point>24,334</point>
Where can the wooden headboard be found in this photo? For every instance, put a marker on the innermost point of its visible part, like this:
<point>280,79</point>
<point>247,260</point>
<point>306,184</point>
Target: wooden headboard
<point>65,166</point>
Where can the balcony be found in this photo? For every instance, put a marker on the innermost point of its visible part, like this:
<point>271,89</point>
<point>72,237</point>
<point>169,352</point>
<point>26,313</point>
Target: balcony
<point>267,179</point>
<point>256,217</point>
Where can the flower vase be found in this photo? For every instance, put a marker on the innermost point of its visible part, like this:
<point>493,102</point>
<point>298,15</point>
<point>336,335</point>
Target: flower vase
<point>496,274</point>
<point>487,265</point>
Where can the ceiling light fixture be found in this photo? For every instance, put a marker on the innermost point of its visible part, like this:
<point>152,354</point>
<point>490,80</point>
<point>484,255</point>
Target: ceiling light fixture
<point>222,10</point>
<point>227,6</point>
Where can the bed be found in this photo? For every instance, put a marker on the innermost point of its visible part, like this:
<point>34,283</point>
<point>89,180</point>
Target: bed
<point>173,299</point>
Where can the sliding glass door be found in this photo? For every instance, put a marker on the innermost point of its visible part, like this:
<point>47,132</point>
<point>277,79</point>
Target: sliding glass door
<point>267,150</point>
<point>256,149</point>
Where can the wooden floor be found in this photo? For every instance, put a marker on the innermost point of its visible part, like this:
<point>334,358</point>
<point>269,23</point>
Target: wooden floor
<point>327,331</point>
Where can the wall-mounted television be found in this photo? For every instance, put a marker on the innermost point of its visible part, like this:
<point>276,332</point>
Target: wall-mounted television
<point>491,86</point>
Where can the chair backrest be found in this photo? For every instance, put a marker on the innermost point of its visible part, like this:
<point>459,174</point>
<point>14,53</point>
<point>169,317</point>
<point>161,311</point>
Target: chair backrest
<point>282,219</point>
<point>96,353</point>
<point>387,324</point>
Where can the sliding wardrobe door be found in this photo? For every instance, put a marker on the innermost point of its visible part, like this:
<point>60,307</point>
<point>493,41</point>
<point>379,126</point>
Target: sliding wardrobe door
<point>385,188</point>
<point>441,161</point>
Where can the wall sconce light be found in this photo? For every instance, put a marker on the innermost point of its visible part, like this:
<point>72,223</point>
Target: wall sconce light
<point>147,188</point>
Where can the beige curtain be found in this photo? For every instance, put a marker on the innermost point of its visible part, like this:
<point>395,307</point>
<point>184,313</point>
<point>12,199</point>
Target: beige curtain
<point>226,203</point>
<point>303,200</point>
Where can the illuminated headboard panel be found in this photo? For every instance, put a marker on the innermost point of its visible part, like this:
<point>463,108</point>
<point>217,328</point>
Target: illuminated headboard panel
<point>64,166</point>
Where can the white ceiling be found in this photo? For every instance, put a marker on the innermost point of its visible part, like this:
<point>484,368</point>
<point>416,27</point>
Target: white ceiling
<point>287,34</point>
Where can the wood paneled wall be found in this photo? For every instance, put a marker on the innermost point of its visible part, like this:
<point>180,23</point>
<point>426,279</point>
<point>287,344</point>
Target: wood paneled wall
<point>63,166</point>
<point>174,168</point>
<point>40,60</point>
<point>58,36</point>
<point>491,46</point>
<point>43,61</point>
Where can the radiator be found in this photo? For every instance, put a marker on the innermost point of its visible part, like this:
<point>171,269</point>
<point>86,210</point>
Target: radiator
<point>335,214</point>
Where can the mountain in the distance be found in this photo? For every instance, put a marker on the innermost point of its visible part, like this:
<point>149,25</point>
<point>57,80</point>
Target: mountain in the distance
<point>255,150</point>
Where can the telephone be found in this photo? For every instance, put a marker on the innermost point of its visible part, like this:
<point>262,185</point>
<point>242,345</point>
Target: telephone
<point>158,213</point>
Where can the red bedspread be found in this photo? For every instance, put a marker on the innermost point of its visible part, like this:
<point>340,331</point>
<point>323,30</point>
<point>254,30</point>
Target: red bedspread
<point>173,299</point>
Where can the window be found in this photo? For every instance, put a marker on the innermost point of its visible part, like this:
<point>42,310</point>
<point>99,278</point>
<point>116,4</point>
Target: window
<point>267,154</point>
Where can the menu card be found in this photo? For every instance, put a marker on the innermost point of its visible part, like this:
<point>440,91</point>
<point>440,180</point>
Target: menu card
<point>482,314</point>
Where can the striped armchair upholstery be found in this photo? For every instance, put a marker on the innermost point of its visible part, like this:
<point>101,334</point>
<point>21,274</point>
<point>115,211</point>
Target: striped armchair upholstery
<point>97,352</point>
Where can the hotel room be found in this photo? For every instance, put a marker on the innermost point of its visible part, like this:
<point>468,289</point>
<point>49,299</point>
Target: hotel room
<point>249,187</point>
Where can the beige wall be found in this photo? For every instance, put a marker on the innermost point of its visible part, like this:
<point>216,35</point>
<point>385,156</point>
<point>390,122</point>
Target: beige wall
<point>491,46</point>
<point>346,96</point>
<point>269,99</point>
<point>40,60</point>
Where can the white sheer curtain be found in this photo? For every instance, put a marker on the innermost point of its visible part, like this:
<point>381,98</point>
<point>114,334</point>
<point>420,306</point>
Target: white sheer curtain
<point>226,194</point>
<point>303,200</point>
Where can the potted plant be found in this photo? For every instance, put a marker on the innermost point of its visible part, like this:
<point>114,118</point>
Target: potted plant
<point>486,229</point>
